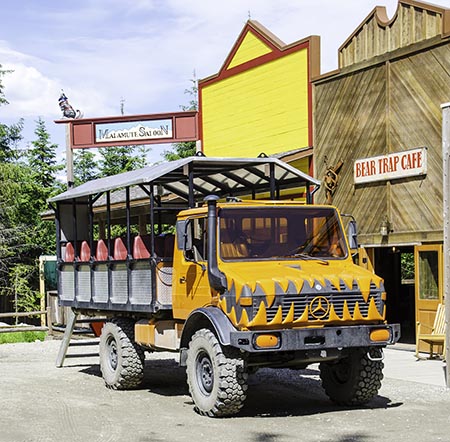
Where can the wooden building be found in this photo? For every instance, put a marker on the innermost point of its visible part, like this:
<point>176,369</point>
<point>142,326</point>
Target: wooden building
<point>379,117</point>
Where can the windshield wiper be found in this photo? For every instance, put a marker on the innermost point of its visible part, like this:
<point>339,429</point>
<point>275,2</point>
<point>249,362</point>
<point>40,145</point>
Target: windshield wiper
<point>307,257</point>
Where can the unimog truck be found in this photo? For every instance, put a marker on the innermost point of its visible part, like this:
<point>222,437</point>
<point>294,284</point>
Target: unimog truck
<point>218,260</point>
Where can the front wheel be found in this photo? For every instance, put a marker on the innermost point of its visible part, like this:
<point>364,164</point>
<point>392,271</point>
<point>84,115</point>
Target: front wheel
<point>216,376</point>
<point>353,380</point>
<point>121,359</point>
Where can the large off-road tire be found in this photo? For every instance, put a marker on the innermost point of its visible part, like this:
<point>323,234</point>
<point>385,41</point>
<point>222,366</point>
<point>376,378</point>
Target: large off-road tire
<point>354,380</point>
<point>216,376</point>
<point>121,359</point>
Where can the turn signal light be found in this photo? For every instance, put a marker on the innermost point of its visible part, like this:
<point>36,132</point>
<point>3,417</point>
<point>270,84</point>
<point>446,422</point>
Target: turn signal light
<point>379,335</point>
<point>267,341</point>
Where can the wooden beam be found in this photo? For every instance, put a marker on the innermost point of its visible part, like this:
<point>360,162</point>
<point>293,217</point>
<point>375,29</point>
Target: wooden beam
<point>446,195</point>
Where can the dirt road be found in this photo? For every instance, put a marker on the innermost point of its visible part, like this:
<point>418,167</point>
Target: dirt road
<point>41,403</point>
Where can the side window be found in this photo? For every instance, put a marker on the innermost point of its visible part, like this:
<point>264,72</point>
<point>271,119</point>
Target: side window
<point>195,240</point>
<point>199,237</point>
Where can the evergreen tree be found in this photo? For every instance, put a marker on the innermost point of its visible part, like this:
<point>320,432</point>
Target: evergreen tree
<point>44,169</point>
<point>3,100</point>
<point>16,223</point>
<point>10,232</point>
<point>180,150</point>
<point>85,167</point>
<point>120,159</point>
<point>42,158</point>
<point>21,229</point>
<point>9,135</point>
<point>188,148</point>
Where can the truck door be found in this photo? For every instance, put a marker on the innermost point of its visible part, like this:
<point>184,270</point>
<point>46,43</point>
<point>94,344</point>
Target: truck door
<point>190,280</point>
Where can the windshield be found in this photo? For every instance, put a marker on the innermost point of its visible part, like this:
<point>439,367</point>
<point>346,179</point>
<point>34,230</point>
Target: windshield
<point>281,232</point>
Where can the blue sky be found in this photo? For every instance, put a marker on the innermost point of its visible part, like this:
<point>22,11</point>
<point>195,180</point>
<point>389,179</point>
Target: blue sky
<point>143,51</point>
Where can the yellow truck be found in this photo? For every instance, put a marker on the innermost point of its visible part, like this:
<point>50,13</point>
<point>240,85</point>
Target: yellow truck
<point>213,258</point>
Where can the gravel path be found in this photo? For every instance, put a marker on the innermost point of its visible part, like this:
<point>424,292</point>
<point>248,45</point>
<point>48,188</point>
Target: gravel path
<point>39,402</point>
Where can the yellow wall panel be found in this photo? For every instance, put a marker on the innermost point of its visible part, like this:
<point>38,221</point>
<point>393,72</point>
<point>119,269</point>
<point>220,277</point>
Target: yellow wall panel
<point>264,109</point>
<point>301,164</point>
<point>250,48</point>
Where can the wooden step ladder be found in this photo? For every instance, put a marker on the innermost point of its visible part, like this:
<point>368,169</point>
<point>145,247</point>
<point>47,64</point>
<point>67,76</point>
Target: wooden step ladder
<point>67,341</point>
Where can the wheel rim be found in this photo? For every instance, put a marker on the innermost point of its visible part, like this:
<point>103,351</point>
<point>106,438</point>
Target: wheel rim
<point>205,373</point>
<point>113,357</point>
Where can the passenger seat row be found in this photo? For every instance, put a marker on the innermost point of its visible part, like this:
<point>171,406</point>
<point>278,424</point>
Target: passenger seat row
<point>164,245</point>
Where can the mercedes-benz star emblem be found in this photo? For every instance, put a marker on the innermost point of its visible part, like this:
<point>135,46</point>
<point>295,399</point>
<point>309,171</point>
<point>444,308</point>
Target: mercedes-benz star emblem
<point>319,307</point>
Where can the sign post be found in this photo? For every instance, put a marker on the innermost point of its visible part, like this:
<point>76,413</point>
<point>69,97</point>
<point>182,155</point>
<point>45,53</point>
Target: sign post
<point>69,159</point>
<point>446,203</point>
<point>68,113</point>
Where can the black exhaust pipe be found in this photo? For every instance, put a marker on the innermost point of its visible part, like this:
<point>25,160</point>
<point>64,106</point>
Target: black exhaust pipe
<point>217,279</point>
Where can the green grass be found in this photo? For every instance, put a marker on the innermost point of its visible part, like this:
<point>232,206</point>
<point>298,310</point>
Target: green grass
<point>27,336</point>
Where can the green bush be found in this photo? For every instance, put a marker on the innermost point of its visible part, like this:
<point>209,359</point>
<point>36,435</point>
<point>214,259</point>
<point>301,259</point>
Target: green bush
<point>26,336</point>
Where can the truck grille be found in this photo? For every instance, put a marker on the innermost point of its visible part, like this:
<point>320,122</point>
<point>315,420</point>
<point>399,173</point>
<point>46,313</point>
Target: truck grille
<point>334,296</point>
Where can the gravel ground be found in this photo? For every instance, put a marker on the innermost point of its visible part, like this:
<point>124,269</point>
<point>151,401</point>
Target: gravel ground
<point>39,402</point>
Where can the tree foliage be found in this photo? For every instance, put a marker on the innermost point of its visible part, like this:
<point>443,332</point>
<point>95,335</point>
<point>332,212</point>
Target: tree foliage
<point>42,159</point>
<point>407,266</point>
<point>3,99</point>
<point>23,283</point>
<point>9,135</point>
<point>186,149</point>
<point>120,159</point>
<point>14,224</point>
<point>85,167</point>
<point>27,180</point>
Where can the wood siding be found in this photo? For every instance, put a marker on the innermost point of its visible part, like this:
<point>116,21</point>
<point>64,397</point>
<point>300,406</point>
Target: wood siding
<point>350,123</point>
<point>412,22</point>
<point>418,86</point>
<point>391,107</point>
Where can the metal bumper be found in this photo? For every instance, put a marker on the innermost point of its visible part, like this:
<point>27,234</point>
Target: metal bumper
<point>314,338</point>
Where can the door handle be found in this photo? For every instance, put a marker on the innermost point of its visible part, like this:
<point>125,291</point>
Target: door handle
<point>183,280</point>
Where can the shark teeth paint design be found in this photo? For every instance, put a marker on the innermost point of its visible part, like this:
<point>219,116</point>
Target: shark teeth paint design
<point>289,302</point>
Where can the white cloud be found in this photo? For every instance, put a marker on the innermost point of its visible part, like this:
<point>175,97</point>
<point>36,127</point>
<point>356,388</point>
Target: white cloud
<point>151,49</point>
<point>29,92</point>
<point>145,51</point>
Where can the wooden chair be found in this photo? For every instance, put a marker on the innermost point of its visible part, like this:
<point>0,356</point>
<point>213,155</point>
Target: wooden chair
<point>436,335</point>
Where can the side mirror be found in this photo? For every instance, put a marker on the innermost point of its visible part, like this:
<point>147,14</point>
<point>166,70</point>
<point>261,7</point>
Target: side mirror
<point>180,234</point>
<point>184,237</point>
<point>352,234</point>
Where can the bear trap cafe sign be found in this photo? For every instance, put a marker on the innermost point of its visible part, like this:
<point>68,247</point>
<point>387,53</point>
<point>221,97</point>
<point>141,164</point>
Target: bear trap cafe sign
<point>393,166</point>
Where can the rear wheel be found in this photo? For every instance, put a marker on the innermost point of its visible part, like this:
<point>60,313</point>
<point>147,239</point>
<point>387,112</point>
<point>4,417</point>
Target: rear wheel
<point>216,376</point>
<point>121,359</point>
<point>354,380</point>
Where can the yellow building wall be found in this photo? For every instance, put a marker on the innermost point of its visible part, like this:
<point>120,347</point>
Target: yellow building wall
<point>250,48</point>
<point>263,109</point>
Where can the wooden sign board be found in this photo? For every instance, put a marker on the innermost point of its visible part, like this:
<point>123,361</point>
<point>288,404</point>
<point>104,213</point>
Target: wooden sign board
<point>174,127</point>
<point>391,166</point>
